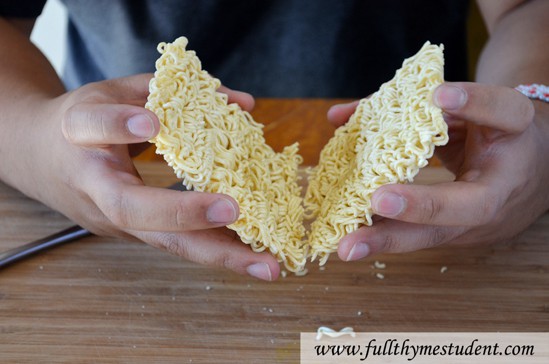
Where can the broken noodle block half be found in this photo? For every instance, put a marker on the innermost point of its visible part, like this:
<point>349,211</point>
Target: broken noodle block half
<point>387,140</point>
<point>217,147</point>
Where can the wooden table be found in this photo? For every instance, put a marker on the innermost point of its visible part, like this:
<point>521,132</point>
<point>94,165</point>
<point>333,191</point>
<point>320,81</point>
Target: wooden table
<point>108,300</point>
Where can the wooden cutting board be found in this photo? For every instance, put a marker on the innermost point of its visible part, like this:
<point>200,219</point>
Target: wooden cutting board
<point>108,300</point>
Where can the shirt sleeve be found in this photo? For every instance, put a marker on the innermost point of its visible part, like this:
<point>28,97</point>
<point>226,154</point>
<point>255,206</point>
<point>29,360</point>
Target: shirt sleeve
<point>21,8</point>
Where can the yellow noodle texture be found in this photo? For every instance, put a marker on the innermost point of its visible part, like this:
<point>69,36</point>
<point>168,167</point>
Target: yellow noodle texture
<point>388,139</point>
<point>217,147</point>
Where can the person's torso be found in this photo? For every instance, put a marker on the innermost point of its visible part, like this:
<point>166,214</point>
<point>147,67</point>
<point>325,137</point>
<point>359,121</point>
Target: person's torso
<point>270,48</point>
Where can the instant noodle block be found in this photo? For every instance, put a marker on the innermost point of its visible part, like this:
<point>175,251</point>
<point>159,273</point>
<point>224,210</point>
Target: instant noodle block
<point>390,136</point>
<point>217,147</point>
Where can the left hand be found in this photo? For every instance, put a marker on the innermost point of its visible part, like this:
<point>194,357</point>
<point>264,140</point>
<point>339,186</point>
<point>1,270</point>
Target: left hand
<point>498,148</point>
<point>88,175</point>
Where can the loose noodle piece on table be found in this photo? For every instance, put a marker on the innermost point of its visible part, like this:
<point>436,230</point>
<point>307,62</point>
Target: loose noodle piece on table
<point>387,140</point>
<point>217,147</point>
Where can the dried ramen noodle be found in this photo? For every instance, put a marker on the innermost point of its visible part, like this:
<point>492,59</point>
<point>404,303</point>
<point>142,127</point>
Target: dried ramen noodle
<point>387,140</point>
<point>217,147</point>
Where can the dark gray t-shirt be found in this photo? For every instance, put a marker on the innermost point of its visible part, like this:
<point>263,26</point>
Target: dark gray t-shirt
<point>270,48</point>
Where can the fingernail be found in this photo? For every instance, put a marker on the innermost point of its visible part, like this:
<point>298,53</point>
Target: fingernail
<point>260,270</point>
<point>342,106</point>
<point>332,110</point>
<point>450,97</point>
<point>389,204</point>
<point>358,251</point>
<point>141,126</point>
<point>221,211</point>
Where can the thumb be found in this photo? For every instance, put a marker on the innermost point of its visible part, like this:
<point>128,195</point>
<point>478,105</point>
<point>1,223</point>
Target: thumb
<point>339,114</point>
<point>497,107</point>
<point>88,124</point>
<point>129,90</point>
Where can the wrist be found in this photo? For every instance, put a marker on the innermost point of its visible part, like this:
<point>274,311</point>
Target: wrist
<point>27,142</point>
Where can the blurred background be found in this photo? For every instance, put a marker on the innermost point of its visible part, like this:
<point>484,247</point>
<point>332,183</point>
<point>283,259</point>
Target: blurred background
<point>49,33</point>
<point>50,29</point>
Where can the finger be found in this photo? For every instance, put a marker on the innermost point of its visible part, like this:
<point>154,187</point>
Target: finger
<point>138,207</point>
<point>217,249</point>
<point>498,107</point>
<point>129,89</point>
<point>244,99</point>
<point>457,203</point>
<point>102,124</point>
<point>391,236</point>
<point>340,114</point>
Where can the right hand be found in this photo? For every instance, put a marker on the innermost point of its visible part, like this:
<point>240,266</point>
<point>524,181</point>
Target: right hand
<point>77,160</point>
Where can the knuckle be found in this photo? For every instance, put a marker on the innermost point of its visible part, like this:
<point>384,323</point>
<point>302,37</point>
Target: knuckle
<point>98,125</point>
<point>116,210</point>
<point>180,245</point>
<point>430,209</point>
<point>390,244</point>
<point>175,245</point>
<point>83,124</point>
<point>95,124</point>
<point>224,260</point>
<point>67,125</point>
<point>181,215</point>
<point>437,236</point>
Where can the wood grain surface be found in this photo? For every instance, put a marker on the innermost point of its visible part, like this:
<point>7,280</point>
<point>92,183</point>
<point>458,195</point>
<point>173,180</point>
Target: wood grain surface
<point>105,300</point>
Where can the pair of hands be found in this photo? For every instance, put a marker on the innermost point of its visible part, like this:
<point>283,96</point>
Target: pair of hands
<point>498,141</point>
